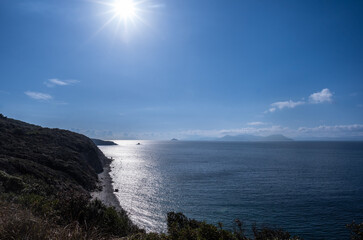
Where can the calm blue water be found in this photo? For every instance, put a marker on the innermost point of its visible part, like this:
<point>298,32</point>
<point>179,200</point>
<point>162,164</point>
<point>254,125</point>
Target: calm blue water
<point>311,189</point>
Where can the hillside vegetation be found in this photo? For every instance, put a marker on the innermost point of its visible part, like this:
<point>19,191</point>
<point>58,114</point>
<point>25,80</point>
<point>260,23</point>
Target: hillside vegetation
<point>45,179</point>
<point>46,176</point>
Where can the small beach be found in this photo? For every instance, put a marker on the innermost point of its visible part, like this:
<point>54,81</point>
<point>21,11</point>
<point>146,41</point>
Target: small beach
<point>106,195</point>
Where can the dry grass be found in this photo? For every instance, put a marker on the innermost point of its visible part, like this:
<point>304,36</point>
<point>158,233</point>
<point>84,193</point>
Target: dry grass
<point>18,223</point>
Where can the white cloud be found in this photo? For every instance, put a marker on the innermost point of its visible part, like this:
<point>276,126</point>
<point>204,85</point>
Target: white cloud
<point>38,95</point>
<point>285,104</point>
<point>222,132</point>
<point>255,123</point>
<point>334,128</point>
<point>324,131</point>
<point>323,96</point>
<point>271,110</point>
<point>319,97</point>
<point>352,130</point>
<point>57,82</point>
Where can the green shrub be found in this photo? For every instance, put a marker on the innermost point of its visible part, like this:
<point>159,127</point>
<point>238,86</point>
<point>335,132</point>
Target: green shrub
<point>41,205</point>
<point>265,233</point>
<point>356,230</point>
<point>19,223</point>
<point>148,236</point>
<point>10,183</point>
<point>180,228</point>
<point>73,207</point>
<point>94,214</point>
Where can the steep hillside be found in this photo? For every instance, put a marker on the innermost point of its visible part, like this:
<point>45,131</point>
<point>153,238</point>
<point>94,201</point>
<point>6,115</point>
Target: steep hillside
<point>62,159</point>
<point>45,179</point>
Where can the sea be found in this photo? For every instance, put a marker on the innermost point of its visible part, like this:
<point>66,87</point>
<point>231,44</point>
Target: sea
<point>311,189</point>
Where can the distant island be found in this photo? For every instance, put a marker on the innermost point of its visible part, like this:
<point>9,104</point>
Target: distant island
<point>253,138</point>
<point>46,180</point>
<point>100,142</point>
<point>174,139</point>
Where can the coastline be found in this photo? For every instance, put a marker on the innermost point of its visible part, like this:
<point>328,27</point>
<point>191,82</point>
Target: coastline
<point>106,195</point>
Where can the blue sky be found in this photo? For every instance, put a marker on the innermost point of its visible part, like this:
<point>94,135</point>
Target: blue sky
<point>186,69</point>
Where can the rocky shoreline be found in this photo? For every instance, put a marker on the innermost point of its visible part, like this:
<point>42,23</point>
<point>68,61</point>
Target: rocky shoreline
<point>106,193</point>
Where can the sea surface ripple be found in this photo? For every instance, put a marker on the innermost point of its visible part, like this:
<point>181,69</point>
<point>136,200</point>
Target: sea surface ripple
<point>312,189</point>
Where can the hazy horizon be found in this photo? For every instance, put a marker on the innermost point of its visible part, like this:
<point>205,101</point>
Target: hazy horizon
<point>184,69</point>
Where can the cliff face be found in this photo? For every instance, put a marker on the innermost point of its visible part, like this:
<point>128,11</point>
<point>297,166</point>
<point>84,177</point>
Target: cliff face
<point>60,158</point>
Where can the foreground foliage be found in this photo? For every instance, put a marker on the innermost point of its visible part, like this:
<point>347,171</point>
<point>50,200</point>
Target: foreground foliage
<point>19,223</point>
<point>182,228</point>
<point>45,179</point>
<point>356,230</point>
<point>70,213</point>
<point>74,217</point>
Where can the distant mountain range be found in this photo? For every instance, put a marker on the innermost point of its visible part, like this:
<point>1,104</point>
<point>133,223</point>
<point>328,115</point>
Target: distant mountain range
<point>253,138</point>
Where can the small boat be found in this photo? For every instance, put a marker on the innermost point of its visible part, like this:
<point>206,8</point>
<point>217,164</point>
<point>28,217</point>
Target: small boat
<point>138,144</point>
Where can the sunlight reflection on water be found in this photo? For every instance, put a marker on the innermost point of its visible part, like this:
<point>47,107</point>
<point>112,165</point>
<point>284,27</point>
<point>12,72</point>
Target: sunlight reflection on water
<point>309,188</point>
<point>136,175</point>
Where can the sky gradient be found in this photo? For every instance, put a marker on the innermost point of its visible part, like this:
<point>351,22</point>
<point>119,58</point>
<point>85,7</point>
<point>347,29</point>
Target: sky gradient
<point>185,69</point>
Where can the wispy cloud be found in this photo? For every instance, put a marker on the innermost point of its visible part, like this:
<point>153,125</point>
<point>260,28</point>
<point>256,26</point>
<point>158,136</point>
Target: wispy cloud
<point>323,96</point>
<point>323,131</point>
<point>350,128</point>
<point>57,82</point>
<point>285,104</point>
<point>38,95</point>
<point>106,134</point>
<point>332,131</point>
<point>352,131</point>
<point>319,97</point>
<point>247,130</point>
<point>256,123</point>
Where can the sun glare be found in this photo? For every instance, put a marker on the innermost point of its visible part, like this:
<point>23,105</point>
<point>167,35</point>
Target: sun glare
<point>124,9</point>
<point>125,15</point>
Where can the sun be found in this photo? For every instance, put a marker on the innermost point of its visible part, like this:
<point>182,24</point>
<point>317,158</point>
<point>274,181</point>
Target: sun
<point>125,15</point>
<point>124,9</point>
